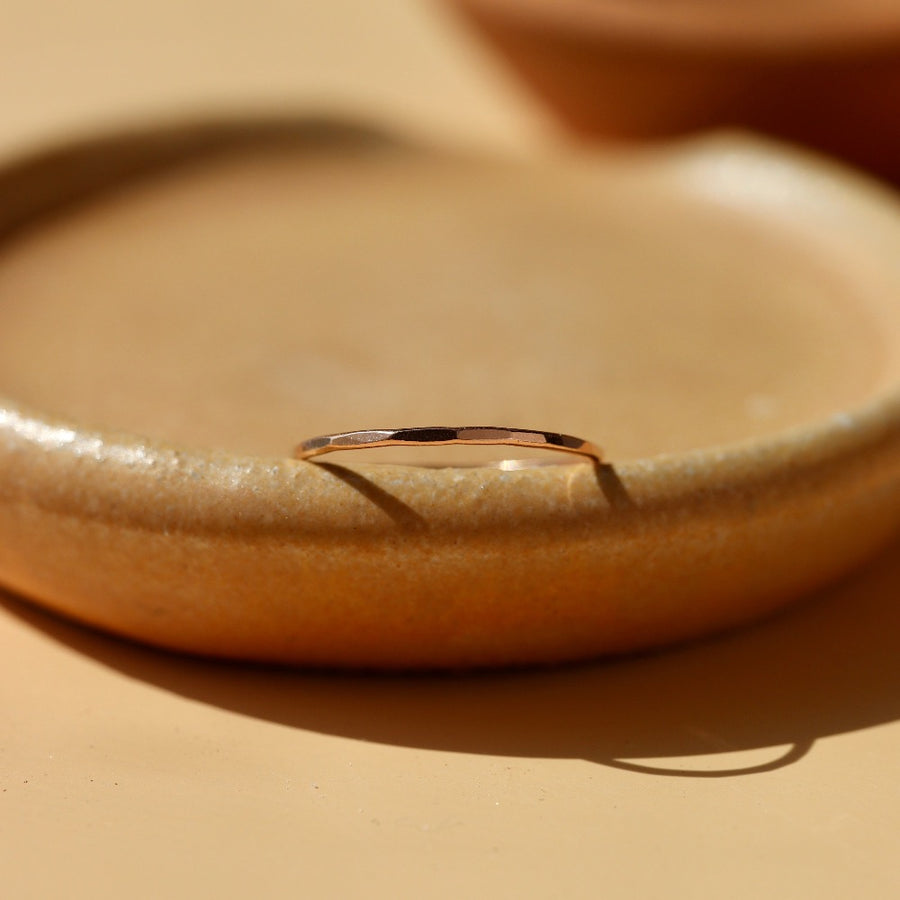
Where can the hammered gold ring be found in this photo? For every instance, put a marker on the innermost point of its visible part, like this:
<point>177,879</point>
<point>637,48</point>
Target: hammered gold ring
<point>443,435</point>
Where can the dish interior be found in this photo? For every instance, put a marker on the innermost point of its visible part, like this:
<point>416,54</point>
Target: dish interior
<point>260,298</point>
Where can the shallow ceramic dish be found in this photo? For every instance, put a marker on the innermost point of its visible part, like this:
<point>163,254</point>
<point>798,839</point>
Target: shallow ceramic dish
<point>723,317</point>
<point>826,74</point>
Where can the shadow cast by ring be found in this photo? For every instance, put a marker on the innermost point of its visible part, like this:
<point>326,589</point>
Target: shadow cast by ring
<point>407,518</point>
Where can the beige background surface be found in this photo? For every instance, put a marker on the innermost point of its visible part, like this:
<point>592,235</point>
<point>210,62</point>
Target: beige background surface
<point>73,69</point>
<point>764,763</point>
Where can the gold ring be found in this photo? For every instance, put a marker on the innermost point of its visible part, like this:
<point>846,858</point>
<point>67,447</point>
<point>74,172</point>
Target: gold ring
<point>442,435</point>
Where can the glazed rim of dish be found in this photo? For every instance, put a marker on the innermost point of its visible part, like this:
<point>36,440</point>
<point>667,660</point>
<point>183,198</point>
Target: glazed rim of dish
<point>69,470</point>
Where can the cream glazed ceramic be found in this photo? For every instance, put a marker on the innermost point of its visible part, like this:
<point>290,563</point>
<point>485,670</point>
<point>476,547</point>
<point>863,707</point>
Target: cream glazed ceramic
<point>181,306</point>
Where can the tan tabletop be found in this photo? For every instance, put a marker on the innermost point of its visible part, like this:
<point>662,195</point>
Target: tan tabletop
<point>760,764</point>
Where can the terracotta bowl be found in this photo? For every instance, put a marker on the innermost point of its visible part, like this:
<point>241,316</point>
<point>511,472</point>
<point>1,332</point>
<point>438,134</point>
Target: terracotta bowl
<point>182,306</point>
<point>824,74</point>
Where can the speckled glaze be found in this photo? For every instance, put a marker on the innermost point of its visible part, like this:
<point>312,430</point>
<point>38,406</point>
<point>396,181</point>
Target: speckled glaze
<point>399,566</point>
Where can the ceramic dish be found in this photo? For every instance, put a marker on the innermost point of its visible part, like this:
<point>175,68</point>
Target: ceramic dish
<point>182,306</point>
<point>826,74</point>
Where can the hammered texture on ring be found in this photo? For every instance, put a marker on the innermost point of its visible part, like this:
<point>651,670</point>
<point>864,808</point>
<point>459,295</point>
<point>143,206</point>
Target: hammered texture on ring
<point>443,435</point>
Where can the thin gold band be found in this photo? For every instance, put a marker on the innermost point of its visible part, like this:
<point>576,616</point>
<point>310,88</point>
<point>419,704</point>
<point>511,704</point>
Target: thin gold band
<point>442,435</point>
